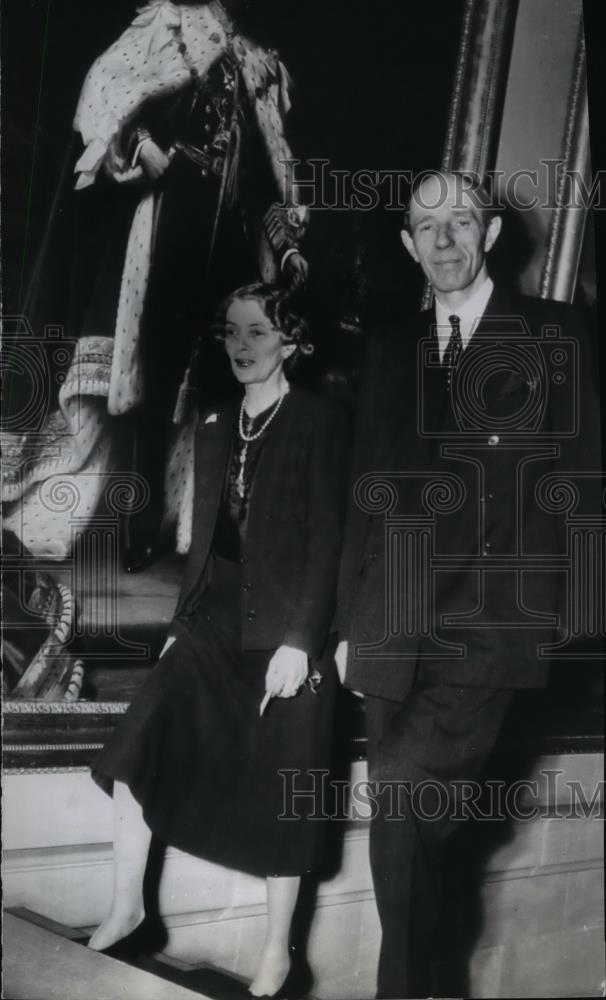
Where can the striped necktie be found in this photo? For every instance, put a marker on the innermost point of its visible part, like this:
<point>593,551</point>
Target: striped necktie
<point>453,348</point>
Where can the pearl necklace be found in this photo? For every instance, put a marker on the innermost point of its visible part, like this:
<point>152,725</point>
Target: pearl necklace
<point>247,438</point>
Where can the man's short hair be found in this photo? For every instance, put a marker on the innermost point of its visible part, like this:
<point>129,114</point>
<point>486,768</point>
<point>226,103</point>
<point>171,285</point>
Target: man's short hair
<point>471,184</point>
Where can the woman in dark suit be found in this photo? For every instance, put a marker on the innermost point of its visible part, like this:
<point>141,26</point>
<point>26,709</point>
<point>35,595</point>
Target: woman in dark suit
<point>245,685</point>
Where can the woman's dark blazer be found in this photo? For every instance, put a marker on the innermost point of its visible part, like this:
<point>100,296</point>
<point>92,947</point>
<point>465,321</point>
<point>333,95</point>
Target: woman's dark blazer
<point>290,556</point>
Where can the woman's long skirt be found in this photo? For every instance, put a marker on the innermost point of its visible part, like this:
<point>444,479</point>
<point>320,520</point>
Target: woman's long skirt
<point>214,778</point>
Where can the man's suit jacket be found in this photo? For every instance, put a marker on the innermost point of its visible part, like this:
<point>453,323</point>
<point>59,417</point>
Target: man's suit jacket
<point>290,556</point>
<point>468,586</point>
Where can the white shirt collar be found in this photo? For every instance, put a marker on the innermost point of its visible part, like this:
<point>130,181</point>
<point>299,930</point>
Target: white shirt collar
<point>469,313</point>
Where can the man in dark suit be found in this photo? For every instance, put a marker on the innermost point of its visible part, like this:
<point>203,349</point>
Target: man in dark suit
<point>452,587</point>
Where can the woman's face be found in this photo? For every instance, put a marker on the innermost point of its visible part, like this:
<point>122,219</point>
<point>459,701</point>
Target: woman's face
<point>254,347</point>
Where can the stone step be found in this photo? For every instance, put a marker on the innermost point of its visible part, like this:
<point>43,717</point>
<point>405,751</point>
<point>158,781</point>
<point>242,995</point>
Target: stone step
<point>39,964</point>
<point>186,980</point>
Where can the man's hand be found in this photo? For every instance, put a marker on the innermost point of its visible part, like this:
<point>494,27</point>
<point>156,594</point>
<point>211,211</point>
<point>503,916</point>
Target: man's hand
<point>154,160</point>
<point>341,661</point>
<point>286,672</point>
<point>296,270</point>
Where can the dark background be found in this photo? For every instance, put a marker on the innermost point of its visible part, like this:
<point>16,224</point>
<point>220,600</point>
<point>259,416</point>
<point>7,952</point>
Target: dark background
<point>364,97</point>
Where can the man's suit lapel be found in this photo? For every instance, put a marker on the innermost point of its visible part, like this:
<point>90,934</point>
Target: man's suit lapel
<point>501,317</point>
<point>505,365</point>
<point>434,408</point>
<point>403,396</point>
<point>414,402</point>
<point>396,433</point>
<point>427,409</point>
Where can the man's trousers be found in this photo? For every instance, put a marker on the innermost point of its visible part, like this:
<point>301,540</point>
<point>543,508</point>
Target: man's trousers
<point>418,749</point>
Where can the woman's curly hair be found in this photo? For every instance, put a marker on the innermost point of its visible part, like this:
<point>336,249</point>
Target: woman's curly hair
<point>276,303</point>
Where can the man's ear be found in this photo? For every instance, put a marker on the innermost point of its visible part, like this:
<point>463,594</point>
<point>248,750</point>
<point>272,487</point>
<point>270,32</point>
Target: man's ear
<point>288,349</point>
<point>492,231</point>
<point>407,240</point>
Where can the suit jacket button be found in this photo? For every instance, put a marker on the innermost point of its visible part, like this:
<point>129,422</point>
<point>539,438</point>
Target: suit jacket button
<point>251,615</point>
<point>493,439</point>
<point>246,586</point>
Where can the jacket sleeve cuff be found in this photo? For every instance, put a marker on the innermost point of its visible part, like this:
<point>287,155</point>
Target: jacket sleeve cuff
<point>303,641</point>
<point>288,254</point>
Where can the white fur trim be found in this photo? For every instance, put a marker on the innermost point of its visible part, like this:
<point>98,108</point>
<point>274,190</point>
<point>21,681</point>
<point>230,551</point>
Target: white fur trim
<point>179,484</point>
<point>144,62</point>
<point>126,382</point>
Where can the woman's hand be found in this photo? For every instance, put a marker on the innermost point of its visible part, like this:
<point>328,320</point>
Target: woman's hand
<point>154,160</point>
<point>286,672</point>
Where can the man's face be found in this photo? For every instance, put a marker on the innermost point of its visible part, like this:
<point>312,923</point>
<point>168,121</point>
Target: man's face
<point>448,237</point>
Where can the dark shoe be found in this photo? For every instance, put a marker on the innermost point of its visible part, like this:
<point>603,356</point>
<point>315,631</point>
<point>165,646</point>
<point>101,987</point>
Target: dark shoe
<point>148,937</point>
<point>139,557</point>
